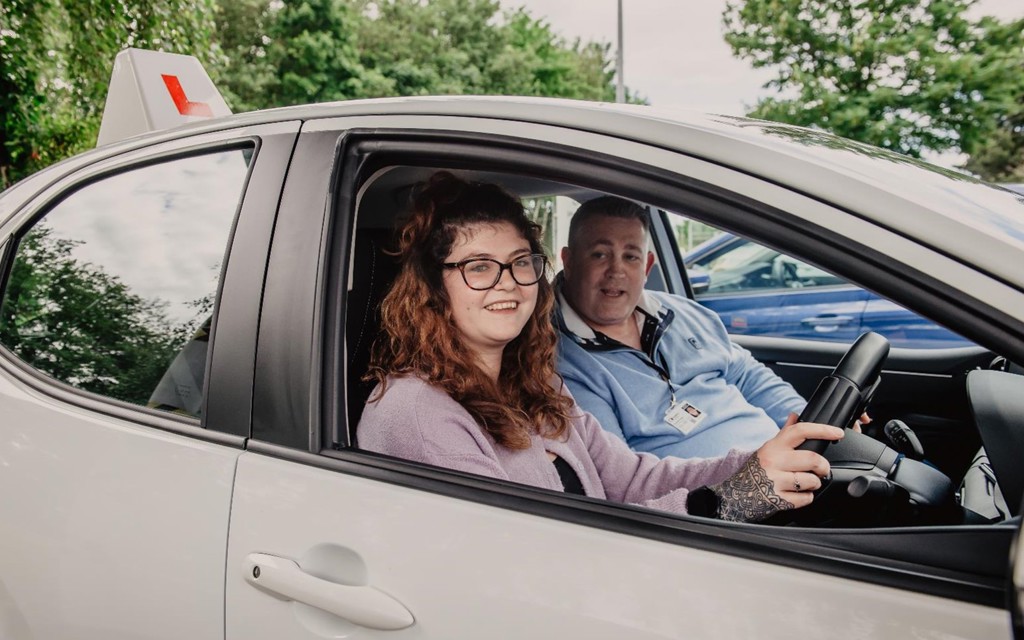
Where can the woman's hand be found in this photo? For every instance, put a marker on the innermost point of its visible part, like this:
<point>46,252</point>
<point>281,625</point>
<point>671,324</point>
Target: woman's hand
<point>778,476</point>
<point>795,474</point>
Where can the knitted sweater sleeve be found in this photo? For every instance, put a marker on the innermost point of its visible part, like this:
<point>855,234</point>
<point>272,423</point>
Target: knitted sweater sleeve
<point>649,481</point>
<point>414,421</point>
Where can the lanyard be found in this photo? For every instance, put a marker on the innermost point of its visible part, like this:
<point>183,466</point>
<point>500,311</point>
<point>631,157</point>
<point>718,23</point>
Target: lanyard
<point>662,370</point>
<point>652,331</point>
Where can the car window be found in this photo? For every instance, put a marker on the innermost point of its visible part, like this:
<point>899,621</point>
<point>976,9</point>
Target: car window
<point>371,268</point>
<point>757,290</point>
<point>735,265</point>
<point>112,290</point>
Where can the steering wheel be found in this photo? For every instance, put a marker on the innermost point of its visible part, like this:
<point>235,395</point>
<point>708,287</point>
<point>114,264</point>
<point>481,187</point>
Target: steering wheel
<point>870,483</point>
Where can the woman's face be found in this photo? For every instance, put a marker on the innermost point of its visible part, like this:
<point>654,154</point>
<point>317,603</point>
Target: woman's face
<point>488,320</point>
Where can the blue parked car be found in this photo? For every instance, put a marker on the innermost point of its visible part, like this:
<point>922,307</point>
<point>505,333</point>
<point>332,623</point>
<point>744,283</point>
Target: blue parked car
<point>758,291</point>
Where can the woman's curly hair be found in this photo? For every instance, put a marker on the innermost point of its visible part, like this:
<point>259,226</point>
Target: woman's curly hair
<point>419,337</point>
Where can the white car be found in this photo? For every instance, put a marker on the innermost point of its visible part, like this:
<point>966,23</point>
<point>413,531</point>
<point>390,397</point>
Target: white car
<point>185,317</point>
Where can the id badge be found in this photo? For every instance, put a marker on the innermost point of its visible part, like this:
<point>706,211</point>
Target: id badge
<point>684,416</point>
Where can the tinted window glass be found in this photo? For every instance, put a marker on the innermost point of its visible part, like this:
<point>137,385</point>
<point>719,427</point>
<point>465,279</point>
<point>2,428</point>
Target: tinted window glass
<point>112,291</point>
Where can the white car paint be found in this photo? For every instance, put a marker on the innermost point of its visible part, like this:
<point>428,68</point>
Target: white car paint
<point>468,570</point>
<point>109,529</point>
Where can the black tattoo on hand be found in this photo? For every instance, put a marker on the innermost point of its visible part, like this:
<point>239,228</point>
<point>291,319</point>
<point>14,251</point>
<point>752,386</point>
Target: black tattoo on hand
<point>749,494</point>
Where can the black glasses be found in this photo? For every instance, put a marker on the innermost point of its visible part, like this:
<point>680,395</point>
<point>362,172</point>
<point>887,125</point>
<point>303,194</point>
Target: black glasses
<point>483,273</point>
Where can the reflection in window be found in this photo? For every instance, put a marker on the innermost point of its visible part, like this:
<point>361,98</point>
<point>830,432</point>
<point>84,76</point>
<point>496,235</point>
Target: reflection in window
<point>113,290</point>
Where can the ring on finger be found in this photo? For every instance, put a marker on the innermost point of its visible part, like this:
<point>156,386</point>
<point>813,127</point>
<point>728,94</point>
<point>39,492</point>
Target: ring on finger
<point>796,482</point>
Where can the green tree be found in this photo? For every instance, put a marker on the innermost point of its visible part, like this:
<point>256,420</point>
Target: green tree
<point>298,51</point>
<point>36,126</point>
<point>1000,158</point>
<point>448,47</point>
<point>435,48</point>
<point>906,75</point>
<point>244,72</point>
<point>83,326</point>
<point>533,61</point>
<point>56,58</point>
<point>293,52</point>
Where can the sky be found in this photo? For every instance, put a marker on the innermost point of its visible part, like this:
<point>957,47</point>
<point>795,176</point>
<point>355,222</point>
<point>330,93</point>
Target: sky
<point>675,55</point>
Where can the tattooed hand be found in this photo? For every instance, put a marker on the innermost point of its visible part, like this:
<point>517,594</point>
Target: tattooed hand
<point>777,477</point>
<point>749,495</point>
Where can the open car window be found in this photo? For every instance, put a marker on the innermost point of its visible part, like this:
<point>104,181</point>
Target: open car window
<point>384,203</point>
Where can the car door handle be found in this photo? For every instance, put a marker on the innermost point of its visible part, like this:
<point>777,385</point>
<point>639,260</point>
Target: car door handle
<point>364,605</point>
<point>827,321</point>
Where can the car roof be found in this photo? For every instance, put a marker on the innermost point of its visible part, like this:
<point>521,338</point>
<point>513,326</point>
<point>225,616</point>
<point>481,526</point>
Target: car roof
<point>947,210</point>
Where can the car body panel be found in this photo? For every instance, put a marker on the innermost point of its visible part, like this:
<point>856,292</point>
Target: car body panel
<point>838,316</point>
<point>110,529</point>
<point>462,572</point>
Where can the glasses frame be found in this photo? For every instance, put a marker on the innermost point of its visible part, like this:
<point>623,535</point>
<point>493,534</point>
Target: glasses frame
<point>502,267</point>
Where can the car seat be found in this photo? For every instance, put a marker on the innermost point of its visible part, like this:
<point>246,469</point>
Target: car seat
<point>374,268</point>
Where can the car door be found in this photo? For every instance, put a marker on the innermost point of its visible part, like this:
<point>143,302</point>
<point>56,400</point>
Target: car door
<point>327,540</point>
<point>119,434</point>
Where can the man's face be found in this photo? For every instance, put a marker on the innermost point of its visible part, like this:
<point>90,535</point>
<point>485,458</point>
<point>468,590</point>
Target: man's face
<point>605,271</point>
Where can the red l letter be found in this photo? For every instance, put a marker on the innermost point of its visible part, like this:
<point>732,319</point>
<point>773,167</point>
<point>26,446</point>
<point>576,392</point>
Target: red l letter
<point>185,107</point>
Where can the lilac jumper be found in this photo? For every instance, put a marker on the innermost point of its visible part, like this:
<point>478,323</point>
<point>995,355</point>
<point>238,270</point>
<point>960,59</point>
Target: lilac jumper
<point>416,421</point>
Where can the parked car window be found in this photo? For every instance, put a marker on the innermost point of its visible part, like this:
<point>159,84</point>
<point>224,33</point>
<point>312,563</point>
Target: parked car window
<point>112,291</point>
<point>736,265</point>
<point>757,290</point>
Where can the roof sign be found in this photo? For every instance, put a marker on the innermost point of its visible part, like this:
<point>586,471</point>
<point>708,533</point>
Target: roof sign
<point>154,90</point>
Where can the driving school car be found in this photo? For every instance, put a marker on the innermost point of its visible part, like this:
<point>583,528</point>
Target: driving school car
<point>185,317</point>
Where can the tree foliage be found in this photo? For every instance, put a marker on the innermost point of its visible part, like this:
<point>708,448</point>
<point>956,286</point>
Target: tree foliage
<point>906,75</point>
<point>82,325</point>
<point>299,51</point>
<point>1000,157</point>
<point>56,57</point>
<point>55,62</point>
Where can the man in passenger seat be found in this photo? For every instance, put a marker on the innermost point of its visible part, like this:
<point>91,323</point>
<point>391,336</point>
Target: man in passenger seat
<point>658,370</point>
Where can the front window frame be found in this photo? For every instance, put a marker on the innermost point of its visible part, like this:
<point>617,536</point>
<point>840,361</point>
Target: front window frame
<point>359,153</point>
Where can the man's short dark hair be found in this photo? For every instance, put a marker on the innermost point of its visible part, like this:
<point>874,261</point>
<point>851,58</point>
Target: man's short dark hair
<point>606,206</point>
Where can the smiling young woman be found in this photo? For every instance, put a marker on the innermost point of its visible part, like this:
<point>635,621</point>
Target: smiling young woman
<point>432,321</point>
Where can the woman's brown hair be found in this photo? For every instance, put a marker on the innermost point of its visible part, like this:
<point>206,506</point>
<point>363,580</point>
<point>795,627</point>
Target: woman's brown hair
<point>419,337</point>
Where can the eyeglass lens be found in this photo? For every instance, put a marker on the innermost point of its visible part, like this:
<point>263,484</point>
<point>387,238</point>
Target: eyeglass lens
<point>485,273</point>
